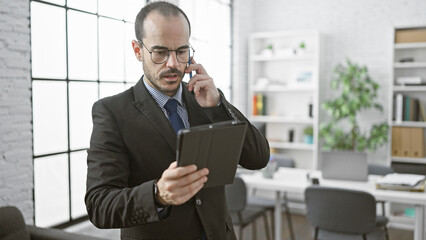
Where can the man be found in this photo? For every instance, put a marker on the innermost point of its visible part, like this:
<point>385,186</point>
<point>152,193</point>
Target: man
<point>133,182</point>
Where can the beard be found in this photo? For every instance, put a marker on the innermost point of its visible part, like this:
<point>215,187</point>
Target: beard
<point>163,86</point>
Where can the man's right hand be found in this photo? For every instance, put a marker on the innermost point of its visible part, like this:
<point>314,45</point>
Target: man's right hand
<point>179,184</point>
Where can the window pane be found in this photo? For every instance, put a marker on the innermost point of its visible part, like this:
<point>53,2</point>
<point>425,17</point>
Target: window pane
<point>51,190</point>
<point>59,2</point>
<point>78,183</point>
<point>219,23</point>
<point>133,66</point>
<point>86,5</point>
<point>48,41</point>
<point>82,97</point>
<point>129,85</point>
<point>132,8</point>
<point>49,117</point>
<point>216,59</point>
<point>111,50</point>
<point>82,46</point>
<point>111,8</point>
<point>109,89</point>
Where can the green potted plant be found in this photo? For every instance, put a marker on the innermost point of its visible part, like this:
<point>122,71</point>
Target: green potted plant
<point>358,93</point>
<point>309,134</point>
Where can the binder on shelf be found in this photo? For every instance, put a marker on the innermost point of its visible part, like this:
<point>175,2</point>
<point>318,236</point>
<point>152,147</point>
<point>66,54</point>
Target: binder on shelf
<point>417,148</point>
<point>405,141</point>
<point>396,142</point>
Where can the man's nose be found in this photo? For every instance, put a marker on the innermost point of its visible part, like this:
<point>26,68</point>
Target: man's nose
<point>172,62</point>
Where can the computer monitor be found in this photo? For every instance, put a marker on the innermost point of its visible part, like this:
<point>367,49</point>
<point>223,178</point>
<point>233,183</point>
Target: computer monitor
<point>344,165</point>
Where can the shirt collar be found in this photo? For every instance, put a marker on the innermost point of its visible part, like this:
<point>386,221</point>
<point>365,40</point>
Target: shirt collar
<point>162,98</point>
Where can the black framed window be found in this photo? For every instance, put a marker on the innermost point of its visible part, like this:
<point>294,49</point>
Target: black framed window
<point>80,52</point>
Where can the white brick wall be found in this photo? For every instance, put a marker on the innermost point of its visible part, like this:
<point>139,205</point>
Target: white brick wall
<point>359,30</point>
<point>16,167</point>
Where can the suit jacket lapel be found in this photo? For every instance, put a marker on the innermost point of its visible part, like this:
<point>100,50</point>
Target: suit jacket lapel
<point>150,109</point>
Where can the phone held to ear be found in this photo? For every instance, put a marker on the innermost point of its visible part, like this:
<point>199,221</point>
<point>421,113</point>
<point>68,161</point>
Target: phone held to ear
<point>190,76</point>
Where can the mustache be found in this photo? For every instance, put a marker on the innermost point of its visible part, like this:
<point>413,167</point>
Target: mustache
<point>171,70</point>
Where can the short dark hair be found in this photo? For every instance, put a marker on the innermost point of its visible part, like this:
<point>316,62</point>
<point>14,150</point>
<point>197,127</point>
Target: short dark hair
<point>164,8</point>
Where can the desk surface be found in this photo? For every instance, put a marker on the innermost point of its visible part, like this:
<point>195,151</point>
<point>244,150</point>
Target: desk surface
<point>296,180</point>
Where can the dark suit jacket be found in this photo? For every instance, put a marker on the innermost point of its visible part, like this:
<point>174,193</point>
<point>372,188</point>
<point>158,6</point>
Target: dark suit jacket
<point>132,144</point>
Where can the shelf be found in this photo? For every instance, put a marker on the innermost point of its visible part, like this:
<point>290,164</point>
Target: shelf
<point>271,119</point>
<point>409,124</point>
<point>401,222</point>
<point>409,160</point>
<point>410,65</point>
<point>402,88</point>
<point>294,146</point>
<point>410,45</point>
<point>279,89</point>
<point>282,58</point>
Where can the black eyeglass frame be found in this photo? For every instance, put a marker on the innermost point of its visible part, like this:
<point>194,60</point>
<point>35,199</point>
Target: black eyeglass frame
<point>168,53</point>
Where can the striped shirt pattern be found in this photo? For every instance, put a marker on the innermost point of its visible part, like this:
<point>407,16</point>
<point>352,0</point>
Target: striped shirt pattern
<point>162,99</point>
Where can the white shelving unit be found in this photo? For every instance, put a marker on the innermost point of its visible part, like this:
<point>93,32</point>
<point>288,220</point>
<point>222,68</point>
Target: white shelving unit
<point>288,77</point>
<point>417,51</point>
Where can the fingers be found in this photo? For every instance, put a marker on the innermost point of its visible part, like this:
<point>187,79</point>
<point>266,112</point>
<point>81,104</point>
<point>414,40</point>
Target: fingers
<point>198,68</point>
<point>186,192</point>
<point>178,171</point>
<point>179,184</point>
<point>197,79</point>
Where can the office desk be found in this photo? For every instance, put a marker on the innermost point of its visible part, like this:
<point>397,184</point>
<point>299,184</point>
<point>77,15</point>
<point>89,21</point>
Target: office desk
<point>293,180</point>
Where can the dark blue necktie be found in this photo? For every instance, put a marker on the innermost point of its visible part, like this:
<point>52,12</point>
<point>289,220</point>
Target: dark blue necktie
<point>175,120</point>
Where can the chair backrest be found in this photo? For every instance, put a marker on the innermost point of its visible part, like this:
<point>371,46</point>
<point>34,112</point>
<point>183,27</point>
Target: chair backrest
<point>236,195</point>
<point>377,169</point>
<point>12,224</point>
<point>341,210</point>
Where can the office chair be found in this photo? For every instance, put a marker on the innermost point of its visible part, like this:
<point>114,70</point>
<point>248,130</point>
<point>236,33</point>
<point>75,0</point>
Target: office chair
<point>243,214</point>
<point>13,226</point>
<point>282,161</point>
<point>377,169</point>
<point>341,214</point>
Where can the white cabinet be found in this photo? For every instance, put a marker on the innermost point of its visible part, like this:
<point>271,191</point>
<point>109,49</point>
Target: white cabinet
<point>408,64</point>
<point>283,90</point>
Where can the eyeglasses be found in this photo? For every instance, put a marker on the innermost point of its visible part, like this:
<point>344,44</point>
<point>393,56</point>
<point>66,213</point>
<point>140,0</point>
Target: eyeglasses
<point>161,55</point>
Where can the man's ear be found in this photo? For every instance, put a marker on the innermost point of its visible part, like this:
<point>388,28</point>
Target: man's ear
<point>137,50</point>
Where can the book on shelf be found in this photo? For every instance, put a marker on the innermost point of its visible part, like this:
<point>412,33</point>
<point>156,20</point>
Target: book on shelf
<point>422,115</point>
<point>259,104</point>
<point>407,108</point>
<point>398,107</point>
<point>255,113</point>
<point>410,80</point>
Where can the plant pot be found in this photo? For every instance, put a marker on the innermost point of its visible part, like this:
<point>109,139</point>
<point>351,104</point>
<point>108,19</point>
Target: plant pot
<point>309,139</point>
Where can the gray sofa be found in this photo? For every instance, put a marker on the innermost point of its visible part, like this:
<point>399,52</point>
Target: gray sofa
<point>13,227</point>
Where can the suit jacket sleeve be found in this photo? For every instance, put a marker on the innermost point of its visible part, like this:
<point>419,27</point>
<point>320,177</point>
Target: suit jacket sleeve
<point>110,202</point>
<point>255,152</point>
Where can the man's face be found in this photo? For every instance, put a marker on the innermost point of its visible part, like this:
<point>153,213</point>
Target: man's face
<point>170,32</point>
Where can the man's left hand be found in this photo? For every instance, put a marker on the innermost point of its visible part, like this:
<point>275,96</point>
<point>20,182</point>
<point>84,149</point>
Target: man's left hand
<point>203,86</point>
